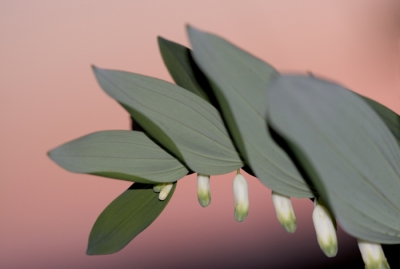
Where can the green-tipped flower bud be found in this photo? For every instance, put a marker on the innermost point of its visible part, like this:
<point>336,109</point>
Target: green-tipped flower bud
<point>372,255</point>
<point>284,211</point>
<point>203,190</point>
<point>325,229</point>
<point>158,187</point>
<point>241,195</point>
<point>165,191</point>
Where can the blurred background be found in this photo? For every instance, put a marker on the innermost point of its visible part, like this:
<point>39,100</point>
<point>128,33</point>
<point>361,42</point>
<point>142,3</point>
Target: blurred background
<point>48,96</point>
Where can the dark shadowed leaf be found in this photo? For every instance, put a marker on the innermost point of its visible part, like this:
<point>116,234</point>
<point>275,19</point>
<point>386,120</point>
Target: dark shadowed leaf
<point>240,82</point>
<point>127,155</point>
<point>127,216</point>
<point>183,69</point>
<point>186,125</point>
<point>346,150</point>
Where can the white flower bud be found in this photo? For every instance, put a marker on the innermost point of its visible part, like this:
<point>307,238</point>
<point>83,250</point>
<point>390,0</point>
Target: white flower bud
<point>241,195</point>
<point>372,255</point>
<point>165,191</point>
<point>158,187</point>
<point>203,190</point>
<point>325,229</point>
<point>284,211</point>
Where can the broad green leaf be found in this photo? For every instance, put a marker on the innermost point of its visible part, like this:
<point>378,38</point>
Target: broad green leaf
<point>391,118</point>
<point>346,150</point>
<point>240,82</point>
<point>126,217</point>
<point>183,123</point>
<point>183,69</point>
<point>127,155</point>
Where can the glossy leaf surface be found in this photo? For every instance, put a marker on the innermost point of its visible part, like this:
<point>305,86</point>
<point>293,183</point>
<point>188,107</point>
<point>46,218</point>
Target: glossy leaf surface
<point>240,82</point>
<point>127,216</point>
<point>347,151</point>
<point>186,125</point>
<point>127,155</point>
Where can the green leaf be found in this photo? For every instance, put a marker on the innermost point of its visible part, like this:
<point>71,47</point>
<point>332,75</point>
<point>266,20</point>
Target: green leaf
<point>240,82</point>
<point>391,118</point>
<point>183,69</point>
<point>126,217</point>
<point>346,150</point>
<point>183,123</point>
<point>127,155</point>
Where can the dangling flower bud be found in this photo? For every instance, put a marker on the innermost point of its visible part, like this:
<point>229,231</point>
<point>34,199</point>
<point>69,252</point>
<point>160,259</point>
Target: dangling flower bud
<point>372,255</point>
<point>203,190</point>
<point>325,229</point>
<point>158,187</point>
<point>165,191</point>
<point>241,195</point>
<point>284,211</point>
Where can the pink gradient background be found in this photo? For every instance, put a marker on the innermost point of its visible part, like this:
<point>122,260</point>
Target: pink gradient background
<point>49,96</point>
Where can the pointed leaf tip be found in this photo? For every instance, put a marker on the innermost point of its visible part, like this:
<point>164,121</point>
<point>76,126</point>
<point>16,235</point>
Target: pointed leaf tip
<point>193,133</point>
<point>127,155</point>
<point>126,217</point>
<point>239,82</point>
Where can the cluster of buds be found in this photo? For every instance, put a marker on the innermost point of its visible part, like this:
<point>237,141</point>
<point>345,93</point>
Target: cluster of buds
<point>240,192</point>
<point>324,222</point>
<point>325,228</point>
<point>164,189</point>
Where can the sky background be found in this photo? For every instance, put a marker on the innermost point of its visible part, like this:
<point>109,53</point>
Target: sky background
<point>48,96</point>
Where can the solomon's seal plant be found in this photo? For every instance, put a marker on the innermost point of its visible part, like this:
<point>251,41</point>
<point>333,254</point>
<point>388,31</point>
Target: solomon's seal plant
<point>241,194</point>
<point>325,227</point>
<point>284,212</point>
<point>299,135</point>
<point>203,190</point>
